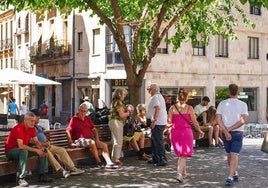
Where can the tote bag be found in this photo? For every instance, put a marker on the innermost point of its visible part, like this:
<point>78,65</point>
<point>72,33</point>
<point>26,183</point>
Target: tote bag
<point>264,146</point>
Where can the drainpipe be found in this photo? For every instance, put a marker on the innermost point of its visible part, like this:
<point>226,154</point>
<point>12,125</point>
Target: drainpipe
<point>73,77</point>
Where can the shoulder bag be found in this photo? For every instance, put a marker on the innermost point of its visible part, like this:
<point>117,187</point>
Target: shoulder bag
<point>264,146</point>
<point>190,123</point>
<point>183,116</point>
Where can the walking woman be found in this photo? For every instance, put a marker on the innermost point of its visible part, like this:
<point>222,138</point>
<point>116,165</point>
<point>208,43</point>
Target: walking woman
<point>118,117</point>
<point>182,117</point>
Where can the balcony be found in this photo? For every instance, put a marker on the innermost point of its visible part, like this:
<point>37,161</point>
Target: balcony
<point>53,53</point>
<point>22,30</point>
<point>6,45</point>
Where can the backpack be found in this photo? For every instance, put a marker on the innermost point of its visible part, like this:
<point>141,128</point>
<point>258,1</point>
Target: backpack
<point>44,111</point>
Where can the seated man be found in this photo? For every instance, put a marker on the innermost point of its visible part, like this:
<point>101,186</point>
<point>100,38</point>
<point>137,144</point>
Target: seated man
<point>79,134</point>
<point>53,151</point>
<point>17,148</point>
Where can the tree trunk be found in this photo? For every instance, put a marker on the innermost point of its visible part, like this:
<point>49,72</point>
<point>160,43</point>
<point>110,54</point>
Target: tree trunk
<point>134,92</point>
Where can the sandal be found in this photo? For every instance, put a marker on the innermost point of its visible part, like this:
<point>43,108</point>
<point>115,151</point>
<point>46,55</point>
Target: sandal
<point>180,178</point>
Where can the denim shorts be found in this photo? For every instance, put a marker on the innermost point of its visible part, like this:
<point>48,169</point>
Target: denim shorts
<point>234,145</point>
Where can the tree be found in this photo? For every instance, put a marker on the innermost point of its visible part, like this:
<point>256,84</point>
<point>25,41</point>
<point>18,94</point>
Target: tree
<point>192,20</point>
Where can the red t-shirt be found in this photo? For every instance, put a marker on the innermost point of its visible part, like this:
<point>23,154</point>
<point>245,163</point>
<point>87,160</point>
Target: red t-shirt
<point>80,128</point>
<point>19,132</point>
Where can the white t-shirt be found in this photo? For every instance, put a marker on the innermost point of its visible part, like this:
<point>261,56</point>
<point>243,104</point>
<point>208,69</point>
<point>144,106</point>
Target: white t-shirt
<point>198,109</point>
<point>157,100</point>
<point>23,109</point>
<point>231,110</point>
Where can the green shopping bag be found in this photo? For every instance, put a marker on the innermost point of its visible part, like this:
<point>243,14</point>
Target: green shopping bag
<point>264,146</point>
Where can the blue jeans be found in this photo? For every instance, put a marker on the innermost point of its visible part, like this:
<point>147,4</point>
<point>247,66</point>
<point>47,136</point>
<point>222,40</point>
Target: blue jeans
<point>22,155</point>
<point>158,151</point>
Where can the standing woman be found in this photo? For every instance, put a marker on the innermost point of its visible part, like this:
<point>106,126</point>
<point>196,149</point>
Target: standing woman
<point>116,123</point>
<point>182,117</point>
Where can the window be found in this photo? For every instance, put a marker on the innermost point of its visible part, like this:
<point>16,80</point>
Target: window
<point>163,46</point>
<point>255,10</point>
<point>221,46</point>
<point>27,23</point>
<point>19,23</point>
<point>113,55</point>
<point>199,50</point>
<point>80,41</point>
<point>253,48</point>
<point>96,41</point>
<point>170,95</point>
<point>248,95</point>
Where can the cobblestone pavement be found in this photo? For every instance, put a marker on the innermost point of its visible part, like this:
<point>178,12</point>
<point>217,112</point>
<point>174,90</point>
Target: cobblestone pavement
<point>207,168</point>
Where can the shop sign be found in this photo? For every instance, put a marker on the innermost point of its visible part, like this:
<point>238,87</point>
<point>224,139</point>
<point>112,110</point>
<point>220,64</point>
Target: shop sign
<point>119,82</point>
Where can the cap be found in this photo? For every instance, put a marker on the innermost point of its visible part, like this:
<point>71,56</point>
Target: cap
<point>86,98</point>
<point>35,111</point>
<point>153,86</point>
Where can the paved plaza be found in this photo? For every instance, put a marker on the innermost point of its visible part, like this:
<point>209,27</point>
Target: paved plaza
<point>207,168</point>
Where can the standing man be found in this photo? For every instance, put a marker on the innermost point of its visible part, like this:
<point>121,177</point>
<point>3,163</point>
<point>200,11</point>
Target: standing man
<point>23,109</point>
<point>13,107</point>
<point>203,106</point>
<point>43,108</point>
<point>231,115</point>
<point>17,148</point>
<point>157,114</point>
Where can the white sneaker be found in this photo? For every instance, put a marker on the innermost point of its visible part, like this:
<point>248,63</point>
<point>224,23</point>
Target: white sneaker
<point>77,171</point>
<point>111,166</point>
<point>23,183</point>
<point>65,174</point>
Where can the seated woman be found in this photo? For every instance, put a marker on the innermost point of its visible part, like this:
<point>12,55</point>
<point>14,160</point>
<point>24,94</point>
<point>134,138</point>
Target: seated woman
<point>141,116</point>
<point>206,127</point>
<point>137,138</point>
<point>209,119</point>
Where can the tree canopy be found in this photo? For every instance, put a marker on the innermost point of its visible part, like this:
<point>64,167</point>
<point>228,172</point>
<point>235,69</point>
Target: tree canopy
<point>191,20</point>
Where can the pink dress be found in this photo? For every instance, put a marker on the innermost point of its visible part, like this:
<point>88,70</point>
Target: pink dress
<point>182,135</point>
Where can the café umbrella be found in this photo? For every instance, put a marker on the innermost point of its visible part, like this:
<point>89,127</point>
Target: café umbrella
<point>18,77</point>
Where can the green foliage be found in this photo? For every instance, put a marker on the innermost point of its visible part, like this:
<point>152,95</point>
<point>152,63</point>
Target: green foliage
<point>221,94</point>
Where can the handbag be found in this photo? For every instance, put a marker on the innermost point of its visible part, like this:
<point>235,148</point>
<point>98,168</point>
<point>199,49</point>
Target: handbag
<point>129,127</point>
<point>264,146</point>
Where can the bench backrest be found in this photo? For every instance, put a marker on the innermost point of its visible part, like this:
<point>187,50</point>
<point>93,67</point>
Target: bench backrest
<point>3,139</point>
<point>57,137</point>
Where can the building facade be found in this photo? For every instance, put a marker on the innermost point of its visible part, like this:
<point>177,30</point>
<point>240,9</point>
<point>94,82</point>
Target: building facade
<point>6,55</point>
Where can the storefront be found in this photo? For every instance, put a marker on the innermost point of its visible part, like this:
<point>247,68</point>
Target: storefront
<point>170,95</point>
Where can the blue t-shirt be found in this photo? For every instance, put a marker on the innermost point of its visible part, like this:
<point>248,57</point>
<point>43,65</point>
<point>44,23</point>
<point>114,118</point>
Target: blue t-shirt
<point>40,134</point>
<point>13,108</point>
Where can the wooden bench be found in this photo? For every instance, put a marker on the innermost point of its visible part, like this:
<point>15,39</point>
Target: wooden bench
<point>58,137</point>
<point>10,167</point>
